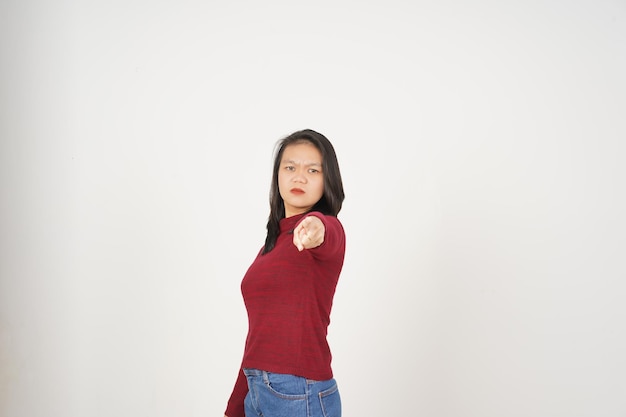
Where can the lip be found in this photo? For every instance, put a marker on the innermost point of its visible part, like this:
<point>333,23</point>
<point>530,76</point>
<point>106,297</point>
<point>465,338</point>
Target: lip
<point>297,191</point>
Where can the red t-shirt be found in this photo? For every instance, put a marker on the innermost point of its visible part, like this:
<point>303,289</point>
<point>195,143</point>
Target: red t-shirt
<point>289,296</point>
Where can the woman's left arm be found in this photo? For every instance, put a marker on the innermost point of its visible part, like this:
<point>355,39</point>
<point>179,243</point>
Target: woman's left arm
<point>317,229</point>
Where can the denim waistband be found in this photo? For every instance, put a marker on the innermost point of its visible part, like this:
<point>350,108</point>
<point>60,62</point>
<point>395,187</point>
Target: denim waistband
<point>252,371</point>
<point>262,373</point>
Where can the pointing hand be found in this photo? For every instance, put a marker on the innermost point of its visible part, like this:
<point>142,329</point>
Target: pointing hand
<point>309,233</point>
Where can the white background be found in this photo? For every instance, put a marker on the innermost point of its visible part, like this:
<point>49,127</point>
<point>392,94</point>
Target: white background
<point>481,144</point>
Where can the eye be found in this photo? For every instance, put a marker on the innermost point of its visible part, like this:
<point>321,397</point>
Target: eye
<point>314,171</point>
<point>290,168</point>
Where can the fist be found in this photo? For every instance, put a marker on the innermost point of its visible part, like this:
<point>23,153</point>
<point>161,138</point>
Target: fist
<point>309,233</point>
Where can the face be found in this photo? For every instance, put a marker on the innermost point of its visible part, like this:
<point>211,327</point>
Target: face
<point>300,178</point>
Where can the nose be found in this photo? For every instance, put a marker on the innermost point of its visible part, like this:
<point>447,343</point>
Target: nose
<point>299,177</point>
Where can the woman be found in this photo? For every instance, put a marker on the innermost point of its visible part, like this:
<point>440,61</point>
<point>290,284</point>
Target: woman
<point>288,290</point>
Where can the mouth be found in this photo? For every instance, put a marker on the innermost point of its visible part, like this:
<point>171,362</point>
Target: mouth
<point>297,191</point>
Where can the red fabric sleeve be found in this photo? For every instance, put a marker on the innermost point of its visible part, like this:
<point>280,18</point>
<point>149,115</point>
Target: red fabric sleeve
<point>235,402</point>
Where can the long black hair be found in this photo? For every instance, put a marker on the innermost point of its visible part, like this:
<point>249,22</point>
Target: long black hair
<point>332,199</point>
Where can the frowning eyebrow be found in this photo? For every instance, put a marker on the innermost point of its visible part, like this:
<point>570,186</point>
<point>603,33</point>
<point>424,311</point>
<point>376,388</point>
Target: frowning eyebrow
<point>308,164</point>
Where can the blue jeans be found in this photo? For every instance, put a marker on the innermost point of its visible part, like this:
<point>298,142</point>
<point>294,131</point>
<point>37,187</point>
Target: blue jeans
<point>280,395</point>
